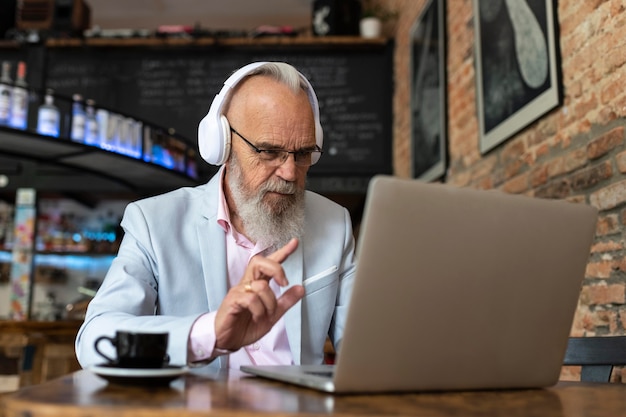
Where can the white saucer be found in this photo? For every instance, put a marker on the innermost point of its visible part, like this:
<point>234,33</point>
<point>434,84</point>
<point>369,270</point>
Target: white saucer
<point>138,376</point>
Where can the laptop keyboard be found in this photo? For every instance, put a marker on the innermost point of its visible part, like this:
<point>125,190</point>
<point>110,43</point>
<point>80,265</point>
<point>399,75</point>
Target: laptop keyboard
<point>326,374</point>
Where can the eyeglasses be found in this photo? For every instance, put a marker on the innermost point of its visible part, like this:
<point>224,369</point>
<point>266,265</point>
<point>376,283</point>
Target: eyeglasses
<point>277,157</point>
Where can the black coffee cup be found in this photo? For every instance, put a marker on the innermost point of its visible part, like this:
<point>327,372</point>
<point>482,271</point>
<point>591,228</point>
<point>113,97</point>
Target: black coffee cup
<point>137,349</point>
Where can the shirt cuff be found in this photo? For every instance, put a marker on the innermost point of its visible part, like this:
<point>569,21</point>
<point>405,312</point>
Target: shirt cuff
<point>201,345</point>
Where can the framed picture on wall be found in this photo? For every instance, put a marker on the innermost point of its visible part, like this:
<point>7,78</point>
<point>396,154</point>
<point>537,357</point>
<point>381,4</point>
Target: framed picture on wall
<point>428,93</point>
<point>517,73</point>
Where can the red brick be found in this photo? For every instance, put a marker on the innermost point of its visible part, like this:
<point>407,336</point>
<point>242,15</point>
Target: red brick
<point>484,167</point>
<point>513,168</point>
<point>591,176</point>
<point>559,189</point>
<point>539,176</point>
<point>555,167</point>
<point>610,318</point>
<point>610,196</point>
<point>608,246</point>
<point>575,160</point>
<point>576,199</point>
<point>608,225</point>
<point>513,151</point>
<point>587,321</point>
<point>600,146</point>
<point>542,149</point>
<point>622,315</point>
<point>602,294</point>
<point>606,115</point>
<point>583,126</point>
<point>516,185</point>
<point>585,106</point>
<point>600,270</point>
<point>620,159</point>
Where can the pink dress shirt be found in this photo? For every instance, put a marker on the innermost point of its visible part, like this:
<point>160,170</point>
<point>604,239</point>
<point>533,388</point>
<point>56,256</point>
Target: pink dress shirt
<point>271,349</point>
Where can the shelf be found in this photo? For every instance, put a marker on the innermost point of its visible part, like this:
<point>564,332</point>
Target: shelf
<point>60,327</point>
<point>58,164</point>
<point>325,41</point>
<point>5,254</point>
<point>170,81</point>
<point>207,41</point>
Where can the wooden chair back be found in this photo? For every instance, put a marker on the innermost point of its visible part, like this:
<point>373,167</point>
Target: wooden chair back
<point>596,355</point>
<point>12,348</point>
<point>58,359</point>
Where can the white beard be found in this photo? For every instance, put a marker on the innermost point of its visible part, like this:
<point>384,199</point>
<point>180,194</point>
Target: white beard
<point>271,225</point>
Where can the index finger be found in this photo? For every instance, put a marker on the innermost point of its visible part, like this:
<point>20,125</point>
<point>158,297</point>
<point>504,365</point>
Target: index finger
<point>283,253</point>
<point>269,267</point>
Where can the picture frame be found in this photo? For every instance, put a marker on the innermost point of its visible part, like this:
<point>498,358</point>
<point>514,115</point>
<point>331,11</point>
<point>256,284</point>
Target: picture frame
<point>517,66</point>
<point>429,153</point>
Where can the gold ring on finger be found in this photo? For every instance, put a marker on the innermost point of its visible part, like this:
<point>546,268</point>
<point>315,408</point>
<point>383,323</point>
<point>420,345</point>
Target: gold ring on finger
<point>247,287</point>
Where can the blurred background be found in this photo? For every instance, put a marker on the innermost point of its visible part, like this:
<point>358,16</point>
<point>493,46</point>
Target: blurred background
<point>214,14</point>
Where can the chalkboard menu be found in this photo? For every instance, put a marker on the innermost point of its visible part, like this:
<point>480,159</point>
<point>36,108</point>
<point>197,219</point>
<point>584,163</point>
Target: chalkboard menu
<point>174,87</point>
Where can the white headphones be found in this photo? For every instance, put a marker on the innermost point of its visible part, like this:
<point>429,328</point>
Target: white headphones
<point>214,136</point>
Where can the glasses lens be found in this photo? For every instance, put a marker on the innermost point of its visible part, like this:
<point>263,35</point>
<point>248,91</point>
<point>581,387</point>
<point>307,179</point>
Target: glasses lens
<point>303,158</point>
<point>273,157</point>
<point>278,157</point>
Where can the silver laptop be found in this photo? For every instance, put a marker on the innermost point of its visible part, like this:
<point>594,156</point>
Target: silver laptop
<point>456,289</point>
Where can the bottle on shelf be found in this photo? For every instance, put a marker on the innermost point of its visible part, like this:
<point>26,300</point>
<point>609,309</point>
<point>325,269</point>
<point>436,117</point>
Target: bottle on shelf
<point>126,139</point>
<point>104,127</point>
<point>19,99</point>
<point>91,123</point>
<point>112,142</point>
<point>137,139</point>
<point>147,143</point>
<point>6,84</point>
<point>77,129</point>
<point>48,116</point>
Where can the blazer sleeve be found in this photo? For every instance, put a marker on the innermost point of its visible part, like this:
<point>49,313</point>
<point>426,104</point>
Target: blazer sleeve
<point>128,296</point>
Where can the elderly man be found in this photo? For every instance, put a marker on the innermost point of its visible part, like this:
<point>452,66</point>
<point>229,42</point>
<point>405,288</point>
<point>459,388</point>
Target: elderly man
<point>249,268</point>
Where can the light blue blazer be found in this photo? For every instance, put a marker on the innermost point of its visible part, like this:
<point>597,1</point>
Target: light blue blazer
<point>171,268</point>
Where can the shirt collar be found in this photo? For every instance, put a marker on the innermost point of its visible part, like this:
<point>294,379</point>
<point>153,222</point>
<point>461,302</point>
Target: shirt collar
<point>223,215</point>
<point>223,219</point>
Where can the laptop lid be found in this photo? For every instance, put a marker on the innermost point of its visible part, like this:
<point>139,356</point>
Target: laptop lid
<point>460,289</point>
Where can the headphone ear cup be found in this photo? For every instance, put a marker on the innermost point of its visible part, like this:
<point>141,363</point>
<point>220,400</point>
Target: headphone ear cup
<point>214,139</point>
<point>210,143</point>
<point>225,139</point>
<point>214,130</point>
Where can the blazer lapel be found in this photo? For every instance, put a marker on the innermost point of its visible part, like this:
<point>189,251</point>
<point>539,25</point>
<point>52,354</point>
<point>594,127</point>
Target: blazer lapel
<point>213,252</point>
<point>293,267</point>
<point>212,246</point>
<point>213,255</point>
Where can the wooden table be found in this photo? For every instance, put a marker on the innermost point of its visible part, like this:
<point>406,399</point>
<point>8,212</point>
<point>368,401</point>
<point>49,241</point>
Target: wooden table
<point>53,343</point>
<point>85,394</point>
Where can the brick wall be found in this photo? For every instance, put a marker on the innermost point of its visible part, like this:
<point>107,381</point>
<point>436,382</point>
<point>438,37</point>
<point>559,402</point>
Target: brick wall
<point>575,152</point>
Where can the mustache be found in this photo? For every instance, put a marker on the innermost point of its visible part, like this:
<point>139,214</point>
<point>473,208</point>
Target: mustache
<point>283,187</point>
